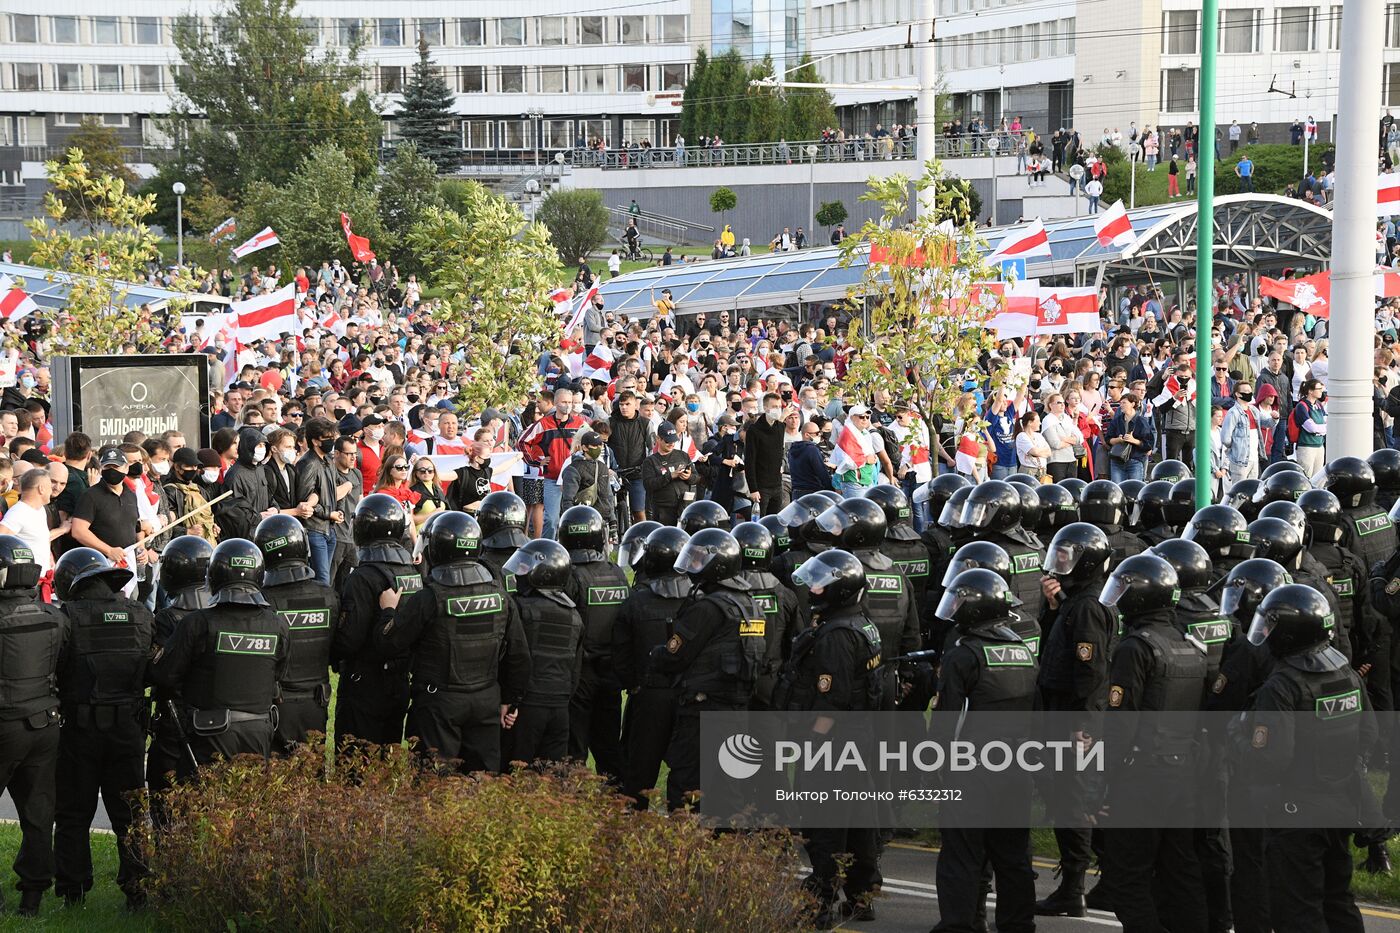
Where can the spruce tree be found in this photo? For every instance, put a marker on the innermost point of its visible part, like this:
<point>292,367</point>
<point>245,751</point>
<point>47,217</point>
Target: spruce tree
<point>809,110</point>
<point>694,93</point>
<point>426,117</point>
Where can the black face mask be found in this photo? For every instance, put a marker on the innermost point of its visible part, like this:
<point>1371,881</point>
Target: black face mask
<point>326,445</point>
<point>113,477</point>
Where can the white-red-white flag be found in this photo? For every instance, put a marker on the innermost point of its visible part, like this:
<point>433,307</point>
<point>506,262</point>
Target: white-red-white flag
<point>1388,194</point>
<point>969,451</point>
<point>1031,240</point>
<point>260,240</point>
<point>1387,283</point>
<point>580,306</point>
<point>1172,387</point>
<point>560,295</point>
<point>504,467</point>
<point>223,231</point>
<point>15,302</point>
<point>333,323</point>
<point>1112,227</point>
<point>854,449</point>
<point>267,317</point>
<point>1068,311</point>
<point>601,357</point>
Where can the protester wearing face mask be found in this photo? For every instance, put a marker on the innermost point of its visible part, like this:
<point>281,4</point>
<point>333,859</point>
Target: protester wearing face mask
<point>1241,433</point>
<point>370,450</point>
<point>316,487</point>
<point>763,455</point>
<point>185,493</point>
<point>106,517</point>
<point>248,502</point>
<point>586,479</point>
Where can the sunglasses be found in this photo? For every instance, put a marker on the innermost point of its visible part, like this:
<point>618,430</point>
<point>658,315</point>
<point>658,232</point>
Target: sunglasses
<point>399,467</point>
<point>423,472</point>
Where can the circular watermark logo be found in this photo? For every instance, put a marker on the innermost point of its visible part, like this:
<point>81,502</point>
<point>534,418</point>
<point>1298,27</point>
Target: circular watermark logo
<point>740,756</point>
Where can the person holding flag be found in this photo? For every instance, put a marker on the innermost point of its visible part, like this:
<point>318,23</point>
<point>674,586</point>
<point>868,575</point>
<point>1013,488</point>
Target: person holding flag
<point>1176,410</point>
<point>855,458</point>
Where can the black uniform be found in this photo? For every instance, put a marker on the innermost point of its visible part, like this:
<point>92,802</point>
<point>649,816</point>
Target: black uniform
<point>784,566</point>
<point>1310,763</point>
<point>554,630</point>
<point>889,602</point>
<point>911,555</point>
<point>1027,556</point>
<point>969,682</point>
<point>1347,577</point>
<point>1368,532</point>
<point>226,661</point>
<point>167,749</point>
<point>32,635</point>
<point>714,653</point>
<point>372,698</point>
<point>1155,668</point>
<point>102,744</point>
<point>598,588</point>
<point>784,621</point>
<point>1125,544</point>
<point>309,610</point>
<point>645,623</point>
<point>494,559</point>
<point>467,657</point>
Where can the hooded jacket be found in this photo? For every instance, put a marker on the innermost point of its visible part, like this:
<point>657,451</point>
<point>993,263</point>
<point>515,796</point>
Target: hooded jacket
<point>240,513</point>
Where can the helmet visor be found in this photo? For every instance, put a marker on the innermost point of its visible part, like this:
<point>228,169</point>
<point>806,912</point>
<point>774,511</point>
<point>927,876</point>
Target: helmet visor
<point>794,514</point>
<point>522,562</point>
<point>1261,627</point>
<point>1231,599</point>
<point>831,522</point>
<point>1135,516</point>
<point>1189,533</point>
<point>976,514</point>
<point>1061,558</point>
<point>692,559</point>
<point>948,606</point>
<point>815,575</point>
<point>628,554</point>
<point>1113,591</point>
<point>951,516</point>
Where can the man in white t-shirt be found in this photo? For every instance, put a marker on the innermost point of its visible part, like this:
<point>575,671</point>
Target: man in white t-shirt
<point>28,519</point>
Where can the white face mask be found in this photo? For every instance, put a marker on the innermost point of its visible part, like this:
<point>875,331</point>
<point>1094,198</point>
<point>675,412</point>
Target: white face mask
<point>774,414</point>
<point>161,469</point>
<point>211,475</point>
<point>289,455</point>
<point>259,453</point>
<point>375,434</point>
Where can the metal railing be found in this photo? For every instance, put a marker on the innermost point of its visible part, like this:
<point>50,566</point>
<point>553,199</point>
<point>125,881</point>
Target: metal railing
<point>130,154</point>
<point>653,228</point>
<point>799,152</point>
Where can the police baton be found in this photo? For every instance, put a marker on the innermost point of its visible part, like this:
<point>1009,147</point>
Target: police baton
<point>180,731</point>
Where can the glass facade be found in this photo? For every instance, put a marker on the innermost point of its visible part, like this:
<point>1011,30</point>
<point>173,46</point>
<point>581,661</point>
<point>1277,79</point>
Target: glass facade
<point>760,27</point>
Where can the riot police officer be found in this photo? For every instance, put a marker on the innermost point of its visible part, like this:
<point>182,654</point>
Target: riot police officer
<point>1173,471</point>
<point>702,514</point>
<point>937,537</point>
<point>598,588</point>
<point>988,668</point>
<point>1283,486</point>
<point>102,743</point>
<point>1074,484</point>
<point>554,630</point>
<point>1281,542</point>
<point>184,572</point>
<point>501,516</point>
<point>1343,570</point>
<point>993,513</point>
<point>1224,533</point>
<point>309,608</point>
<point>1308,765</point>
<point>779,605</point>
<point>629,549</point>
<point>1101,505</point>
<point>1074,678</point>
<point>1150,513</point>
<point>1197,614</point>
<point>798,518</point>
<point>835,667</point>
<point>227,660</point>
<point>644,623</point>
<point>1385,463</point>
<point>34,634</point>
<point>1057,509</point>
<point>902,543</point>
<point>1130,488</point>
<point>988,556</point>
<point>782,541</point>
<point>469,663</point>
<point>715,650</point>
<point>1240,496</point>
<point>1155,668</point>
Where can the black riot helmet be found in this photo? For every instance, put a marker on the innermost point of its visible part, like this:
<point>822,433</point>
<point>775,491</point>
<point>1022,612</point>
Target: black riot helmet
<point>1241,496</point>
<point>781,539</point>
<point>502,519</point>
<point>1031,506</point>
<point>633,539</point>
<point>1181,505</point>
<point>452,537</point>
<point>710,556</point>
<point>236,571</point>
<point>1151,508</point>
<point>1190,561</point>
<point>1277,540</point>
<point>940,489</point>
<point>379,519</point>
<point>1323,512</point>
<point>1284,486</point>
<point>1246,586</point>
<point>660,550</point>
<point>286,551</point>
<point>979,554</point>
<point>1078,552</point>
<point>951,516</point>
<point>1289,512</point>
<point>1218,528</point>
<point>830,495</point>
<point>1101,503</point>
<point>755,545</point>
<point>540,564</point>
<point>853,524</point>
<point>1385,463</point>
<point>1057,509</point>
<point>1291,619</point>
<point>800,514</point>
<point>184,563</point>
<point>976,597</point>
<point>18,568</point>
<point>1280,466</point>
<point>82,564</point>
<point>1351,480</point>
<point>895,503</point>
<point>1141,583</point>
<point>834,579</point>
<point>1173,471</point>
<point>1023,479</point>
<point>992,506</point>
<point>702,514</point>
<point>1130,488</point>
<point>1075,485</point>
<point>581,528</point>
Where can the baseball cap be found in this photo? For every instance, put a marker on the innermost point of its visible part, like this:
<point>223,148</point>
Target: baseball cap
<point>350,424</point>
<point>667,432</point>
<point>111,457</point>
<point>591,439</point>
<point>857,411</point>
<point>185,456</point>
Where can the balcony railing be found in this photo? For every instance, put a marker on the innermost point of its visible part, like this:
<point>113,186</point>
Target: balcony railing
<point>860,149</point>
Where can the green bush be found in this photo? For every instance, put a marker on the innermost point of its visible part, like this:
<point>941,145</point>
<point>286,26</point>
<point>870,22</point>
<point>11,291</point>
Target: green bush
<point>577,222</point>
<point>1275,167</point>
<point>282,846</point>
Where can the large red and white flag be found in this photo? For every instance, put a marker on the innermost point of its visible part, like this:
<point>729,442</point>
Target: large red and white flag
<point>601,357</point>
<point>267,317</point>
<point>1112,227</point>
<point>1387,283</point>
<point>1068,311</point>
<point>15,302</point>
<point>359,245</point>
<point>260,240</point>
<point>854,449</point>
<point>1388,194</point>
<point>1019,310</point>
<point>580,306</point>
<point>223,231</point>
<point>1032,240</point>
<point>560,295</point>
<point>1311,294</point>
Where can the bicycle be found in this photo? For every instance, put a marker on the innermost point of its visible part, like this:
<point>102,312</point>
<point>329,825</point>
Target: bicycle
<point>639,253</point>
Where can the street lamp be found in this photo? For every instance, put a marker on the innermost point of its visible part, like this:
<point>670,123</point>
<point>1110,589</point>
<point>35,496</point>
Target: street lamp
<point>179,189</point>
<point>559,161</point>
<point>812,188</point>
<point>1134,150</point>
<point>993,144</point>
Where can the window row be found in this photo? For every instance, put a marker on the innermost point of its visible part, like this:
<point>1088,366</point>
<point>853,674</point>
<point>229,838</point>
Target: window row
<point>550,134</point>
<point>871,65</point>
<point>1244,31</point>
<point>71,76</point>
<point>546,79</point>
<point>87,30</point>
<point>862,14</point>
<point>1028,43</point>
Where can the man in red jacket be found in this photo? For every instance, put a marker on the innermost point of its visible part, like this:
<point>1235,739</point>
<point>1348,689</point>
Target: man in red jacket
<point>548,445</point>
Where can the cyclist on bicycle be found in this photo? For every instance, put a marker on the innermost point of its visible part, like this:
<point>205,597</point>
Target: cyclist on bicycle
<point>633,238</point>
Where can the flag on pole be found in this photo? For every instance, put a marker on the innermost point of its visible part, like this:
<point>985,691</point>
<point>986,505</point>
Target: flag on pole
<point>15,302</point>
<point>1387,283</point>
<point>1068,311</point>
<point>223,231</point>
<point>267,317</point>
<point>1311,294</point>
<point>1032,240</point>
<point>359,245</point>
<point>580,306</point>
<point>1388,194</point>
<point>1112,227</point>
<point>261,240</point>
<point>560,295</point>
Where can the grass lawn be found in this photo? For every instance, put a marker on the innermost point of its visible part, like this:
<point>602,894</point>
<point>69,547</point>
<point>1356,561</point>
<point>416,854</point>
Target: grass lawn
<point>105,908</point>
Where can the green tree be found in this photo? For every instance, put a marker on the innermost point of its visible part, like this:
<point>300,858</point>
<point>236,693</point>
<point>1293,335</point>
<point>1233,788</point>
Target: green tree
<point>831,214</point>
<point>101,151</point>
<point>98,266</point>
<point>496,273</point>
<point>253,91</point>
<point>407,189</point>
<point>577,221</point>
<point>692,101</point>
<point>766,119</point>
<point>808,111</point>
<point>426,117</point>
<point>729,98</point>
<point>723,200</point>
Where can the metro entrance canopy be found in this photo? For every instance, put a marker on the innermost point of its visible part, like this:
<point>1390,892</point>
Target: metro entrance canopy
<point>1261,232</point>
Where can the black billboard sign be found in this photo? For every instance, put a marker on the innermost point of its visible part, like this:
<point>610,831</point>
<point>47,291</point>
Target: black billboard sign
<point>107,397</point>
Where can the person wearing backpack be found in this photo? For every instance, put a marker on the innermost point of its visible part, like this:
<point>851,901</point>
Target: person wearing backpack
<point>586,479</point>
<point>1307,427</point>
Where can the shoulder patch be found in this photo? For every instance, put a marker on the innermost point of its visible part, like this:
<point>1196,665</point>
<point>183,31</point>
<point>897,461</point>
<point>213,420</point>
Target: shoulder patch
<point>1392,587</point>
<point>1260,738</point>
<point>1084,651</point>
<point>673,644</point>
<point>1115,696</point>
<point>824,683</point>
<point>1219,685</point>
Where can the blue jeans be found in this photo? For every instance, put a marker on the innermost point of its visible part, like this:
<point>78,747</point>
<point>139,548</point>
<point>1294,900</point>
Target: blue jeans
<point>1002,471</point>
<point>553,493</point>
<point>1120,470</point>
<point>322,547</point>
<point>636,495</point>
